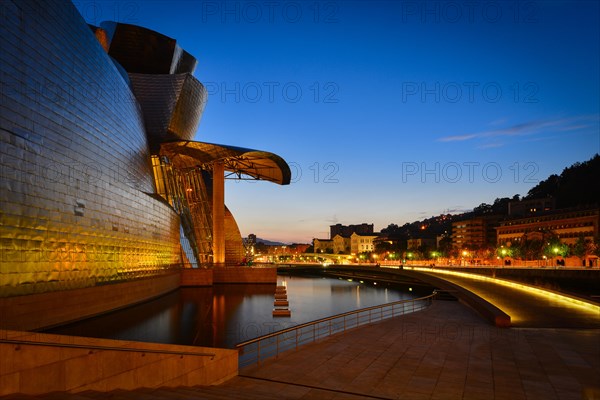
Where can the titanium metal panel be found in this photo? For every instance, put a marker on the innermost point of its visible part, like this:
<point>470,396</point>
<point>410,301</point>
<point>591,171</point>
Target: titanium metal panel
<point>144,51</point>
<point>172,105</point>
<point>74,160</point>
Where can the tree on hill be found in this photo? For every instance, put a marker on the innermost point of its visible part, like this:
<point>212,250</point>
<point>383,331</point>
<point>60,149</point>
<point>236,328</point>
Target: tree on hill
<point>575,186</point>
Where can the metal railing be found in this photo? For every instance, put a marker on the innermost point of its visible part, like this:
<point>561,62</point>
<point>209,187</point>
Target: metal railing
<point>20,342</point>
<point>261,348</point>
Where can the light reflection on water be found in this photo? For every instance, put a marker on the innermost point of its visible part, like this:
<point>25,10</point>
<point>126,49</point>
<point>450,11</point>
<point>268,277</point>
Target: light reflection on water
<point>224,315</point>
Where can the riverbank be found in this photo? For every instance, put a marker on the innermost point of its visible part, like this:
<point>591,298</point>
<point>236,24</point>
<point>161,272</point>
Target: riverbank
<point>444,352</point>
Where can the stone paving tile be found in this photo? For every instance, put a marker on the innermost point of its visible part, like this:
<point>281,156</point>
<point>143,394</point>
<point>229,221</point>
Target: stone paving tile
<point>445,352</point>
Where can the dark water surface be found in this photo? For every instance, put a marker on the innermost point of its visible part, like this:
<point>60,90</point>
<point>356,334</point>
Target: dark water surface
<point>224,315</point>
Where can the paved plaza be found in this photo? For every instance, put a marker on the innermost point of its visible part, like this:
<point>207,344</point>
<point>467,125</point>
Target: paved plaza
<point>444,352</point>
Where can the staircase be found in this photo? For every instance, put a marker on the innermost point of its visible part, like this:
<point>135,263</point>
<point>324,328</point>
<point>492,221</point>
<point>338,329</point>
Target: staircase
<point>197,392</point>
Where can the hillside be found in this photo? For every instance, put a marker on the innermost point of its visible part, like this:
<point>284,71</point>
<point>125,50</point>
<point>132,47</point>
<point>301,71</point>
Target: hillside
<point>577,185</point>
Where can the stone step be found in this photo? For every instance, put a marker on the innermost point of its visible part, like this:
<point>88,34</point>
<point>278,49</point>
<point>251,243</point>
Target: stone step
<point>178,393</point>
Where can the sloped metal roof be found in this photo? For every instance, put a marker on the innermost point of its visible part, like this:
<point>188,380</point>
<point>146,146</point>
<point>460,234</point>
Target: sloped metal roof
<point>240,161</point>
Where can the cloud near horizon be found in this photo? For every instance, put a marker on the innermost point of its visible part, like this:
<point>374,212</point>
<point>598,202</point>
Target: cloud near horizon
<point>526,129</point>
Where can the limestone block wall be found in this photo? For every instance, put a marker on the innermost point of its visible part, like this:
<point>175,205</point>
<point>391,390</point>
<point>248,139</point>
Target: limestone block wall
<point>43,310</point>
<point>196,277</point>
<point>244,275</point>
<point>101,364</point>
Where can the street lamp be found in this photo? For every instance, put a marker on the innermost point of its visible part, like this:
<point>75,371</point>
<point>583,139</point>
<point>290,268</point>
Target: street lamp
<point>555,251</point>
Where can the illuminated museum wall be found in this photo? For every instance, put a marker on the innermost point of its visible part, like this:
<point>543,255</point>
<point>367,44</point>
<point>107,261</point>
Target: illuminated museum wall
<point>76,183</point>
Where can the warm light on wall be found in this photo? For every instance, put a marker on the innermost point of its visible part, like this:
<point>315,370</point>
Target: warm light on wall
<point>571,301</point>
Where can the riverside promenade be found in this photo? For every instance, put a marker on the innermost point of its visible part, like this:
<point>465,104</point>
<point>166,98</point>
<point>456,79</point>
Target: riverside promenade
<point>444,352</point>
<point>447,351</point>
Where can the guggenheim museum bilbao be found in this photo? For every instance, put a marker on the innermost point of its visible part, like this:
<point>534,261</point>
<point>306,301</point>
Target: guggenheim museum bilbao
<point>100,179</point>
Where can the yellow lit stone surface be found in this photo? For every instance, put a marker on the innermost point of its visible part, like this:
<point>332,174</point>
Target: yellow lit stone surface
<point>31,369</point>
<point>42,310</point>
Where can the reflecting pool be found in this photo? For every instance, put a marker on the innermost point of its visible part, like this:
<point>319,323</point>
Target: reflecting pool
<point>224,315</point>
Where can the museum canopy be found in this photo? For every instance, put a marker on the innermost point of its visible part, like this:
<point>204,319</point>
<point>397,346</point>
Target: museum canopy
<point>237,161</point>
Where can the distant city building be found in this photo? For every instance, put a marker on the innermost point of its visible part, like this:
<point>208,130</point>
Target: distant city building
<point>392,239</point>
<point>341,244</point>
<point>252,239</point>
<point>439,238</point>
<point>414,244</point>
<point>291,249</point>
<point>348,230</point>
<point>362,243</point>
<point>531,207</point>
<point>475,233</point>
<point>323,245</point>
<point>567,225</point>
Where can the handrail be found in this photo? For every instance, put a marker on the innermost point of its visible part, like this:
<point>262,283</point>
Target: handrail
<point>331,328</point>
<point>95,347</point>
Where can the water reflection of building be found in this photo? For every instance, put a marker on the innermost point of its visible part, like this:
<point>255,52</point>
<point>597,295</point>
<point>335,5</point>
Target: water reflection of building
<point>101,180</point>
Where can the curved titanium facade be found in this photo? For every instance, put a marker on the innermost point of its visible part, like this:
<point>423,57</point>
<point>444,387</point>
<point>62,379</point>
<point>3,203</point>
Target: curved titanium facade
<point>88,195</point>
<point>172,105</point>
<point>75,178</point>
<point>144,51</point>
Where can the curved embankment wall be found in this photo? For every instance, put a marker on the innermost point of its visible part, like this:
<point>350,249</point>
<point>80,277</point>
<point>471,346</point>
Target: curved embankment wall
<point>35,363</point>
<point>44,310</point>
<point>406,276</point>
<point>583,283</point>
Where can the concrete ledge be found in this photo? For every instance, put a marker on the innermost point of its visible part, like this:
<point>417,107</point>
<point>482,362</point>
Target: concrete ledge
<point>244,275</point>
<point>44,363</point>
<point>45,310</point>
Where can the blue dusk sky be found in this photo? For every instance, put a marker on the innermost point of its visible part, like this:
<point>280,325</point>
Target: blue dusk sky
<point>386,111</point>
